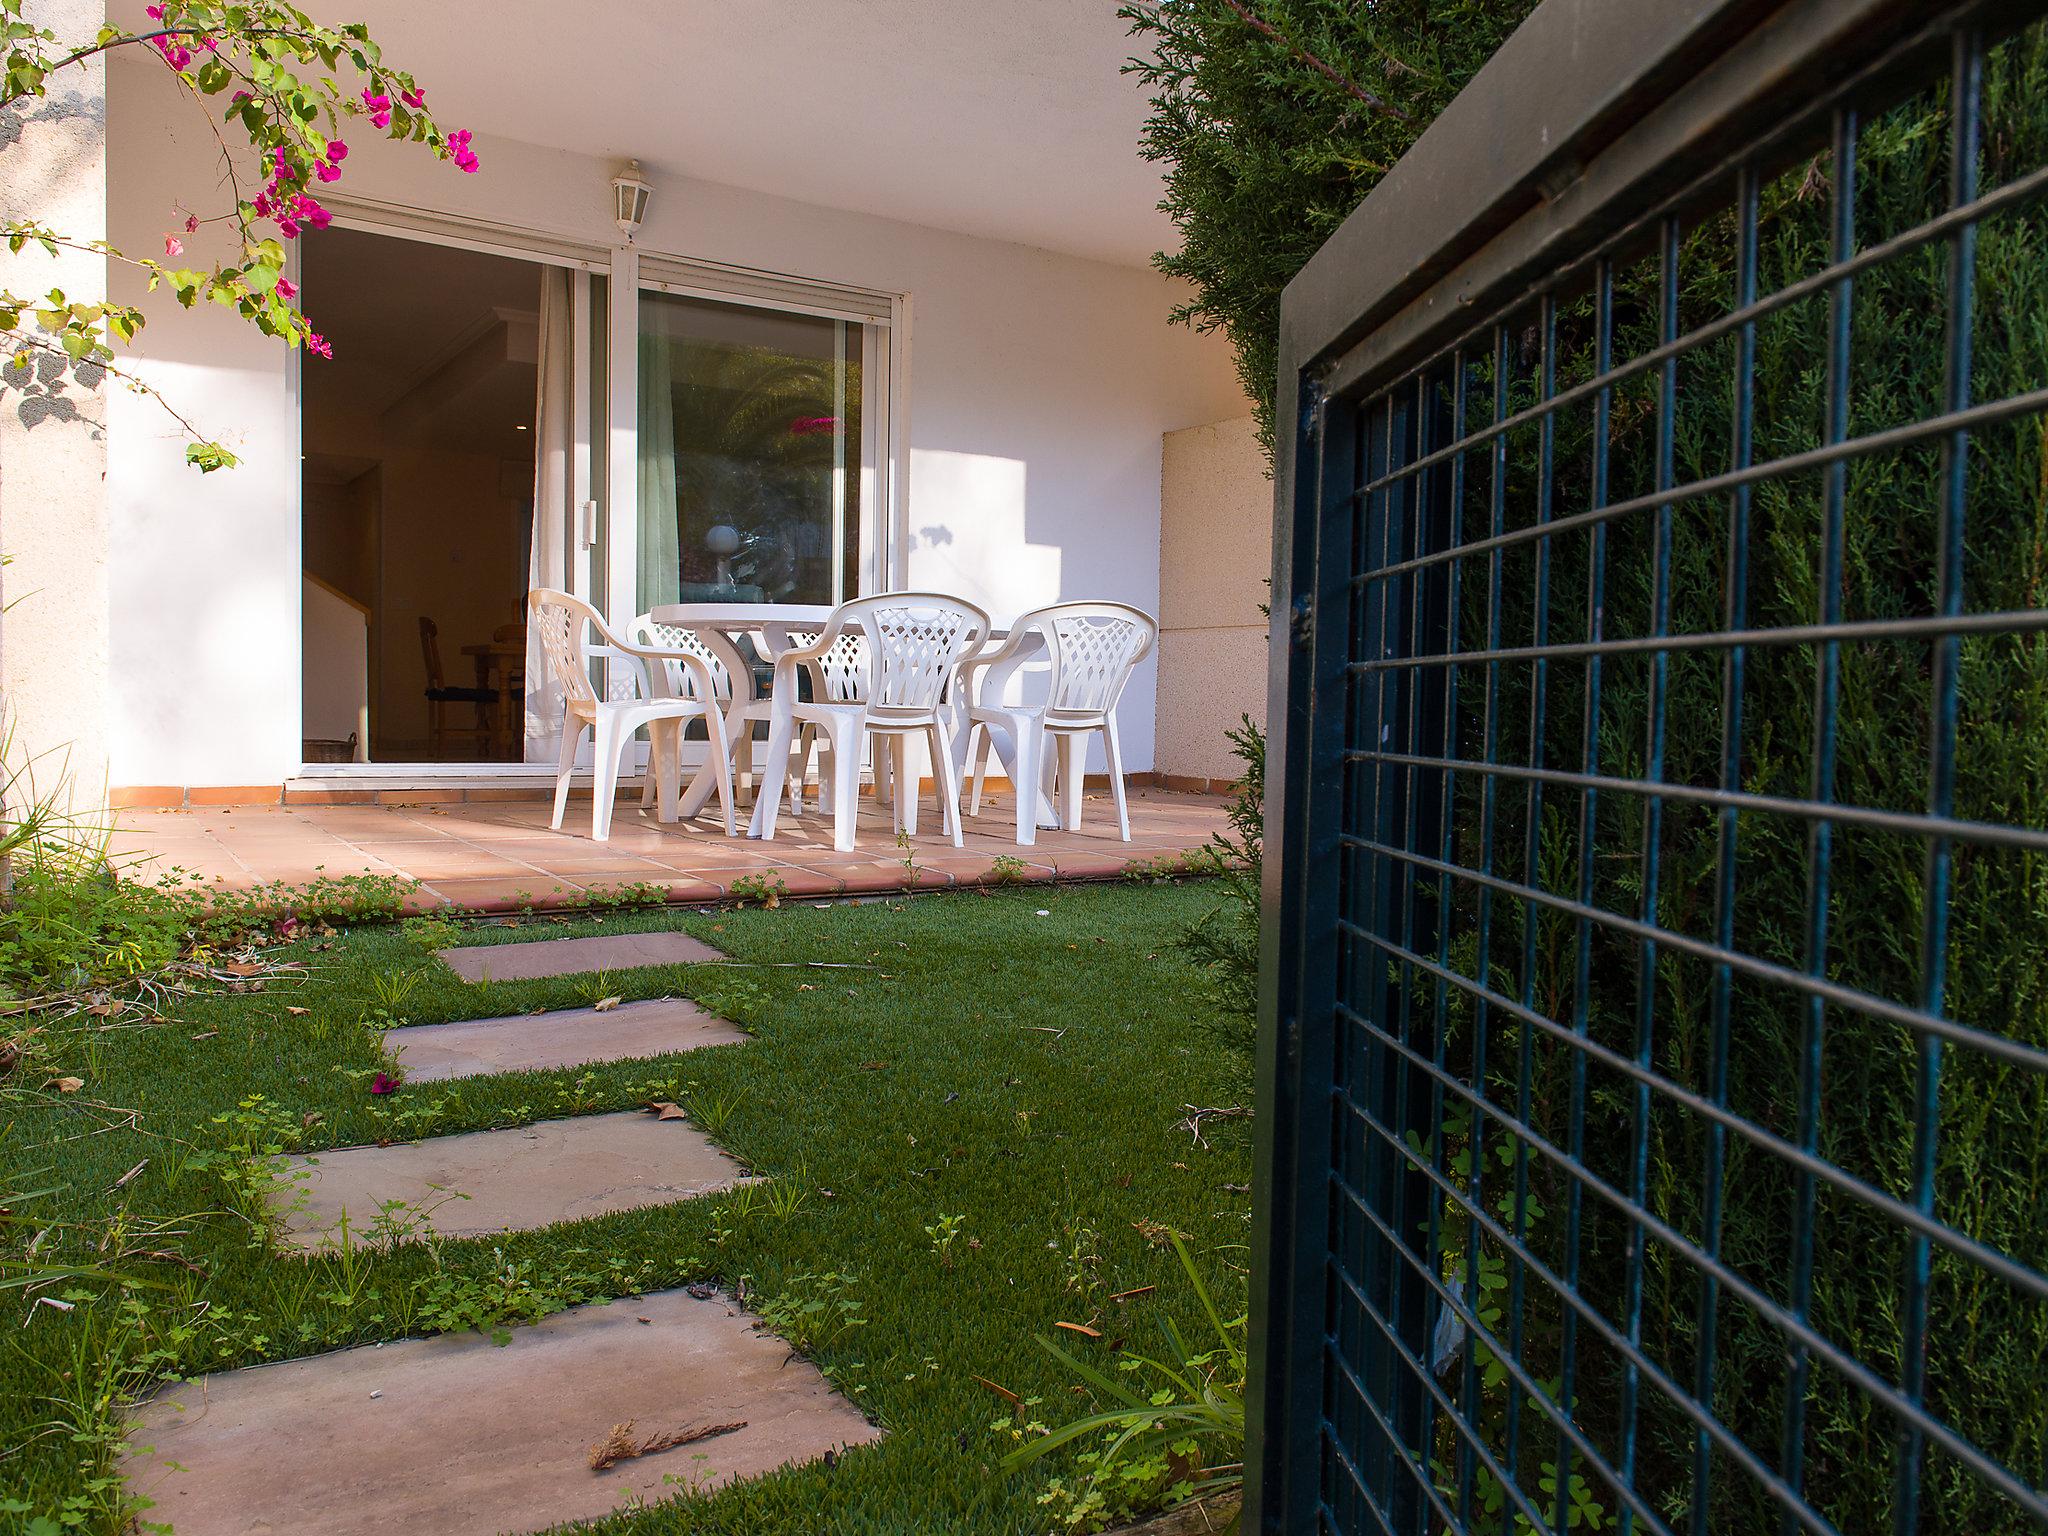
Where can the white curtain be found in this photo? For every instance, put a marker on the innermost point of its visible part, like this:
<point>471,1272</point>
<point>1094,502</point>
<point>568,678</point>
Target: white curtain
<point>554,512</point>
<point>659,551</point>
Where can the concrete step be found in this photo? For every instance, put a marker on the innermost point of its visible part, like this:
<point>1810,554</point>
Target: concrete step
<point>453,1436</point>
<point>540,958</point>
<point>505,1181</point>
<point>573,1037</point>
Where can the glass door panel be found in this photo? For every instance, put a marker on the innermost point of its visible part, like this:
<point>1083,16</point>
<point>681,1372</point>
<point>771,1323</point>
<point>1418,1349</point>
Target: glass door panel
<point>750,453</point>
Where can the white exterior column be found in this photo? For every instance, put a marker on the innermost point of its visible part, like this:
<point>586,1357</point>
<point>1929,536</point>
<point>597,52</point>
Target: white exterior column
<point>53,449</point>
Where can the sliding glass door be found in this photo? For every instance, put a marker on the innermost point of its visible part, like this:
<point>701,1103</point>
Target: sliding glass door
<point>755,454</point>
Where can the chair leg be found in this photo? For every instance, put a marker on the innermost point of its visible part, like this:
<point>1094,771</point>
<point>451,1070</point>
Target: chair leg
<point>720,762</point>
<point>664,765</point>
<point>1115,755</point>
<point>948,774</point>
<point>1030,746</point>
<point>565,764</point>
<point>905,791</point>
<point>610,743</point>
<point>1073,759</point>
<point>768,793</point>
<point>977,741</point>
<point>845,786</point>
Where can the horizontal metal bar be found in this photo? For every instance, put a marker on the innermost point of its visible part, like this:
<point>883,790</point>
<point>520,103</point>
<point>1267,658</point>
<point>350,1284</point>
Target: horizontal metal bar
<point>1867,1003</point>
<point>1927,627</point>
<point>2032,403</point>
<point>1911,823</point>
<point>1847,1365</point>
<point>1736,1447</point>
<point>1990,1259</point>
<point>2013,194</point>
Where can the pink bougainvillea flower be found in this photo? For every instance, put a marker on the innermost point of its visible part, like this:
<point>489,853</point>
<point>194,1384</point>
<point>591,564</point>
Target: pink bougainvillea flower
<point>173,246</point>
<point>289,228</point>
<point>326,171</point>
<point>414,97</point>
<point>383,1082</point>
<point>286,287</point>
<point>319,345</point>
<point>337,151</point>
<point>191,223</point>
<point>805,426</point>
<point>379,106</point>
<point>286,927</point>
<point>154,12</point>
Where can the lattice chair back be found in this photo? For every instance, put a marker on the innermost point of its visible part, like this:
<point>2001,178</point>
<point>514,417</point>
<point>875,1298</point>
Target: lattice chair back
<point>1093,648</point>
<point>914,640</point>
<point>840,676</point>
<point>678,637</point>
<point>563,622</point>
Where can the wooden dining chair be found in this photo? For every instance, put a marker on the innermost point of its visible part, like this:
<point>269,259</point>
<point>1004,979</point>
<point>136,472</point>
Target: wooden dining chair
<point>440,695</point>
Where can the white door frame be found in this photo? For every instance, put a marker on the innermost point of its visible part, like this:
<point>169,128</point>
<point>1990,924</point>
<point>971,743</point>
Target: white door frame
<point>885,481</point>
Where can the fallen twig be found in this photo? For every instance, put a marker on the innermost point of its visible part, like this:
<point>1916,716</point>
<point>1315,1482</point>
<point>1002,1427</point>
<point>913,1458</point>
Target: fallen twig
<point>1196,1114</point>
<point>619,1445</point>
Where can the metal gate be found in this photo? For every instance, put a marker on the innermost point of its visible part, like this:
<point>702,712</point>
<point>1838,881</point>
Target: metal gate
<point>1654,1085</point>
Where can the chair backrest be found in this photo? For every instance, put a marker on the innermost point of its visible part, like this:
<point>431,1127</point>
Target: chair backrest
<point>564,624</point>
<point>657,636</point>
<point>914,642</point>
<point>430,649</point>
<point>1093,648</point>
<point>840,676</point>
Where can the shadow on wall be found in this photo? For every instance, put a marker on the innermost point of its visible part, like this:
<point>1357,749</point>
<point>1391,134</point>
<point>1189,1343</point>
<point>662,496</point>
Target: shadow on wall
<point>990,560</point>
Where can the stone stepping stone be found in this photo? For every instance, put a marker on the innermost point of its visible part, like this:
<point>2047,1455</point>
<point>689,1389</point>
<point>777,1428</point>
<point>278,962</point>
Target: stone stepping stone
<point>573,957</point>
<point>458,1437</point>
<point>528,1176</point>
<point>571,1037</point>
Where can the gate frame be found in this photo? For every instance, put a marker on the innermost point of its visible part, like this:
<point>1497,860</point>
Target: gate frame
<point>1591,114</point>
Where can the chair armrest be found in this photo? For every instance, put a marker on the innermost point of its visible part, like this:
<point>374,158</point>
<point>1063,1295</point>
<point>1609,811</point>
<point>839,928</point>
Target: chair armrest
<point>966,667</point>
<point>636,662</point>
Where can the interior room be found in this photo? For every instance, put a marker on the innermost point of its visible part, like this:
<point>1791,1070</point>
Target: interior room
<point>417,498</point>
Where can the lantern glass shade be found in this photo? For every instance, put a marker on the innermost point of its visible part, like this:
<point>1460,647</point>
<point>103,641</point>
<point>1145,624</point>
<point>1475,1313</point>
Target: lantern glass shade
<point>629,195</point>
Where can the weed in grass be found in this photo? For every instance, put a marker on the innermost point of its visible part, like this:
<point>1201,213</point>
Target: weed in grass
<point>812,1311</point>
<point>580,1097</point>
<point>597,989</point>
<point>429,932</point>
<point>764,890</point>
<point>944,1232</point>
<point>1080,1249</point>
<point>248,1159</point>
<point>711,1112</point>
<point>1172,1430</point>
<point>514,1292</point>
<point>1006,869</point>
<point>908,849</point>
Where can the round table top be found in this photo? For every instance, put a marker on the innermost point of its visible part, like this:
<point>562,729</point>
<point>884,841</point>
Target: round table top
<point>738,615</point>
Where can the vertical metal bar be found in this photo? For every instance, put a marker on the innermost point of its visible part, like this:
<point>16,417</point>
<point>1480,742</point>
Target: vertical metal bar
<point>1446,854</point>
<point>1313,557</point>
<point>1489,803</point>
<point>1582,985</point>
<point>1734,617</point>
<point>1653,805</point>
<point>1966,108</point>
<point>1532,863</point>
<point>1821,789</point>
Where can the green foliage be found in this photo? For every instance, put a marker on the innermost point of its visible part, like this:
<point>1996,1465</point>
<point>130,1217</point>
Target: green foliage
<point>811,1311</point>
<point>1266,156</point>
<point>1172,1428</point>
<point>1264,115</point>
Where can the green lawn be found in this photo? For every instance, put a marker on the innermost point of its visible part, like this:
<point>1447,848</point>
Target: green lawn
<point>1023,1072</point>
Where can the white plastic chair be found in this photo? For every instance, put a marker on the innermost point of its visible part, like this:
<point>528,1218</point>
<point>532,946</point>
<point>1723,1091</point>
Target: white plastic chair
<point>914,641</point>
<point>566,625</point>
<point>1093,649</point>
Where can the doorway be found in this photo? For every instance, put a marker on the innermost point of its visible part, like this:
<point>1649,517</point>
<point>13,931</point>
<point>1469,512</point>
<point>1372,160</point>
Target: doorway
<point>417,498</point>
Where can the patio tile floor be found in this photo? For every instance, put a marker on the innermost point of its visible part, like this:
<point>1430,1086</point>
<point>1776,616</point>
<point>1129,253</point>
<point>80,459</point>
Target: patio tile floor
<point>502,855</point>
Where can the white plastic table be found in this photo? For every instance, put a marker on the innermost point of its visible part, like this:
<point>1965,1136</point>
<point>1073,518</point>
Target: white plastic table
<point>723,626</point>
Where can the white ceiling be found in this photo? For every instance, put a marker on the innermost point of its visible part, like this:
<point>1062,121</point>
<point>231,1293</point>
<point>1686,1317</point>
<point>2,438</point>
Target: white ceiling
<point>1000,118</point>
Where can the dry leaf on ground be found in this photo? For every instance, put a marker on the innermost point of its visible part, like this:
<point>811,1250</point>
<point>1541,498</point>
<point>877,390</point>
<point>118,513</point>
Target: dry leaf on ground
<point>620,1444</point>
<point>606,1004</point>
<point>664,1110</point>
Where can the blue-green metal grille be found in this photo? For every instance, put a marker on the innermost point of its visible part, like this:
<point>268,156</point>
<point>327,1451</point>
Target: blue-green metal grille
<point>1653,1185</point>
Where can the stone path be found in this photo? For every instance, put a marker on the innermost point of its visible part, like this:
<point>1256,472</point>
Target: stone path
<point>453,1436</point>
<point>571,1037</point>
<point>572,957</point>
<point>498,1181</point>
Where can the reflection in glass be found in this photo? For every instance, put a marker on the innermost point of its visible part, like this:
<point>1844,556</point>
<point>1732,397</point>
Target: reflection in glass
<point>749,454</point>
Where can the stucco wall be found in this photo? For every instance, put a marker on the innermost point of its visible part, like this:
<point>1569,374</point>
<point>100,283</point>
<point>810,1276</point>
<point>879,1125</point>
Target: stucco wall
<point>53,500</point>
<point>1215,556</point>
<point>1039,386</point>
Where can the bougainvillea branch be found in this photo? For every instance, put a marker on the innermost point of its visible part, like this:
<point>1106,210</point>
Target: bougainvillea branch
<point>291,88</point>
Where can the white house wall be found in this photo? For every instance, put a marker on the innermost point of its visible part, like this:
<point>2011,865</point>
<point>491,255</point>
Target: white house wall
<point>1038,388</point>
